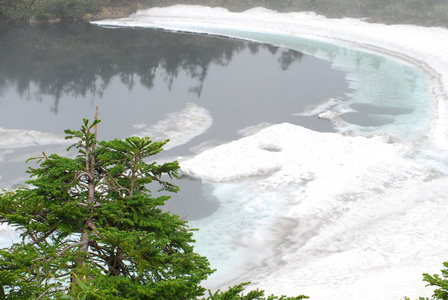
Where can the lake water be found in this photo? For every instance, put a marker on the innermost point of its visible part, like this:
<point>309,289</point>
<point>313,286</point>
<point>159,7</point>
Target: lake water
<point>150,82</point>
<point>207,89</point>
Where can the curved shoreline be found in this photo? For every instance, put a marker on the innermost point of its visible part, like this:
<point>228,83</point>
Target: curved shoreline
<point>360,234</point>
<point>436,87</point>
<point>251,19</point>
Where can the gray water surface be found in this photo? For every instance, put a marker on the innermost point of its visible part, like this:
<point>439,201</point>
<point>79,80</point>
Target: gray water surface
<point>53,75</point>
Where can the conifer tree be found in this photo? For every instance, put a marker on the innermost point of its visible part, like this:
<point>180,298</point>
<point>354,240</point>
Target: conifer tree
<point>91,228</point>
<point>438,281</point>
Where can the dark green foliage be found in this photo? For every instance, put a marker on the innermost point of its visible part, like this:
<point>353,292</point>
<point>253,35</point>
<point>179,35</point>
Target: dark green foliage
<point>48,9</point>
<point>16,9</point>
<point>235,293</point>
<point>92,230</point>
<point>68,9</point>
<point>428,12</point>
<point>439,281</point>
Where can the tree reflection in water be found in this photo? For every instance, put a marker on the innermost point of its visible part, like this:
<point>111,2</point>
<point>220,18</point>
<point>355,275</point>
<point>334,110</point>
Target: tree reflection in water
<point>72,67</point>
<point>78,58</point>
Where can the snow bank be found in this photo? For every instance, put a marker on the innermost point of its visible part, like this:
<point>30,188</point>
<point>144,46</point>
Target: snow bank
<point>20,138</point>
<point>321,214</point>
<point>7,236</point>
<point>293,151</point>
<point>179,127</point>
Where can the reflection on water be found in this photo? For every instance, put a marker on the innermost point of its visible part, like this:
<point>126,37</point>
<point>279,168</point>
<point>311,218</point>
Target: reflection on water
<point>79,59</point>
<point>83,66</point>
<point>373,79</point>
<point>53,75</point>
<point>365,114</point>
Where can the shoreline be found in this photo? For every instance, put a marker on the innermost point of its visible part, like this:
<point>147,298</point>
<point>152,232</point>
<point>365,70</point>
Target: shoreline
<point>115,12</point>
<point>369,253</point>
<point>437,88</point>
<point>434,14</point>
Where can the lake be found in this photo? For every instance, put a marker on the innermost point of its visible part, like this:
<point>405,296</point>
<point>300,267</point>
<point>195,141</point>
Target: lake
<point>205,89</point>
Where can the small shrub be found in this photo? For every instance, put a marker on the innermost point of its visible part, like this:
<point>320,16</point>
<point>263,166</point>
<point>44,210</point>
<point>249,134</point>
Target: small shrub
<point>438,281</point>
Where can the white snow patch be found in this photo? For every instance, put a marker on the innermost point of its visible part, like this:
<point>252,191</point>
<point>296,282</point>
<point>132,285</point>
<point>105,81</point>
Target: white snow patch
<point>311,110</point>
<point>253,129</point>
<point>8,235</point>
<point>179,127</point>
<point>20,138</point>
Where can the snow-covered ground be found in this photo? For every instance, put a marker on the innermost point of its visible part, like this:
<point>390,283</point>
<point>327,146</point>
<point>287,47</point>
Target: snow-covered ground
<point>333,216</point>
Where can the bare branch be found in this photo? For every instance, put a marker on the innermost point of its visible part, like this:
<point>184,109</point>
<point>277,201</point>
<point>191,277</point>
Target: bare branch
<point>115,184</point>
<point>40,239</point>
<point>86,205</point>
<point>92,159</point>
<point>83,173</point>
<point>81,243</point>
<point>91,225</point>
<point>44,293</point>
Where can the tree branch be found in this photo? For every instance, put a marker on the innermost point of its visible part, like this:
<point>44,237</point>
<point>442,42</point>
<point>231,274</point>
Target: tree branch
<point>83,173</point>
<point>81,243</point>
<point>40,239</point>
<point>87,205</point>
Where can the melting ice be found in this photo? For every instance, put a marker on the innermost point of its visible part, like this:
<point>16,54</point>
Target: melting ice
<point>333,216</point>
<point>178,127</point>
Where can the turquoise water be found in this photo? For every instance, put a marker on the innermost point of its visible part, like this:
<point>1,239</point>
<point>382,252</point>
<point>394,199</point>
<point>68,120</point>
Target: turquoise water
<point>387,95</point>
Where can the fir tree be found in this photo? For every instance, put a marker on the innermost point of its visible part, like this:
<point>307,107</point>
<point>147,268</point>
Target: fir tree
<point>438,281</point>
<point>91,228</point>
